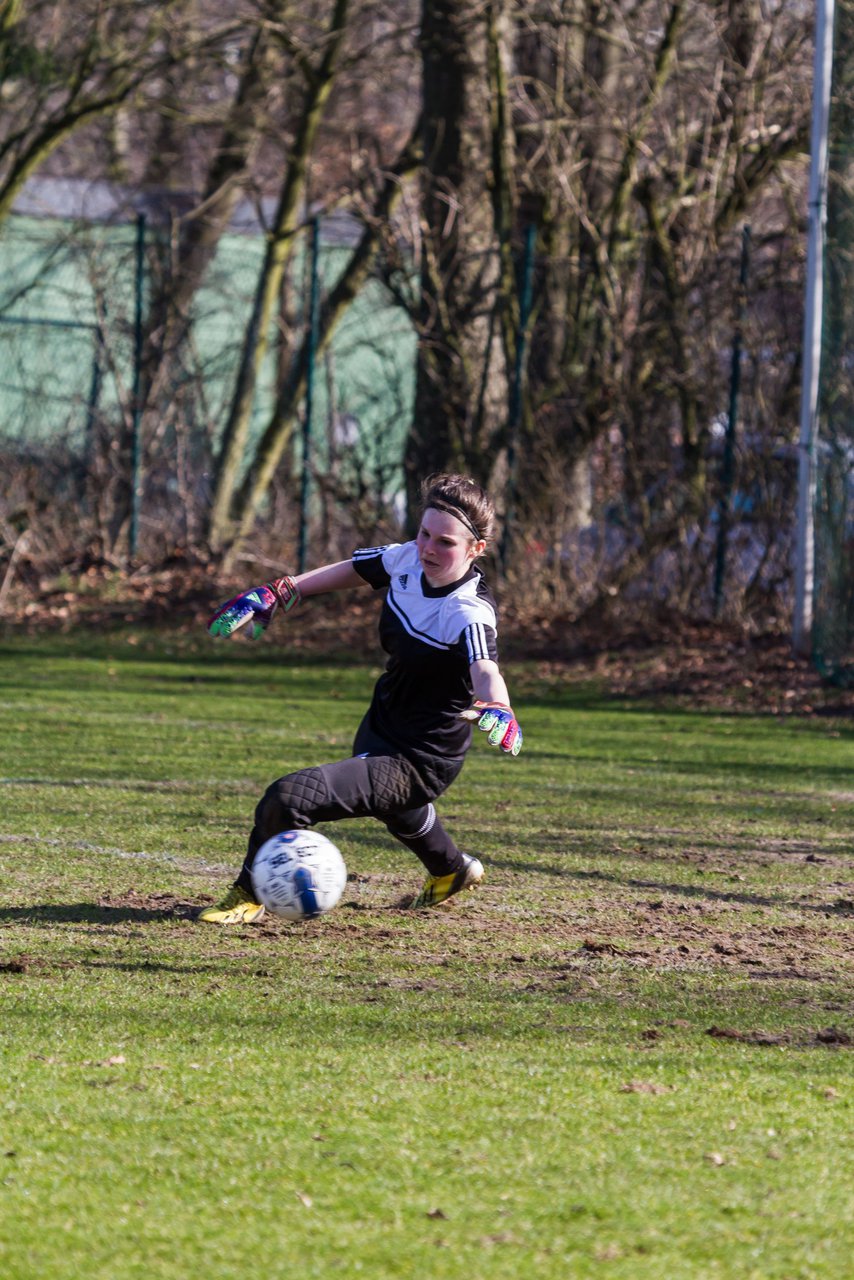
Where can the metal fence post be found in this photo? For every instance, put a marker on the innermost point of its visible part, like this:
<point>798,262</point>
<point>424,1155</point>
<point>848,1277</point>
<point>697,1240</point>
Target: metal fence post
<point>136,421</point>
<point>313,317</point>
<point>94,393</point>
<point>728,464</point>
<point>515,411</point>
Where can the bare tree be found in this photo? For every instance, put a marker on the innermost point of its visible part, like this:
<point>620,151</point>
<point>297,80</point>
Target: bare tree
<point>229,172</point>
<point>648,134</point>
<point>465,299</point>
<point>243,479</point>
<point>319,79</point>
<point>63,66</point>
<point>180,268</point>
<point>635,139</point>
<point>279,430</point>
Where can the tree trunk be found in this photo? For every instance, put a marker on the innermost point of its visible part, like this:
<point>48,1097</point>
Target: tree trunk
<point>279,430</point>
<point>279,248</point>
<point>462,379</point>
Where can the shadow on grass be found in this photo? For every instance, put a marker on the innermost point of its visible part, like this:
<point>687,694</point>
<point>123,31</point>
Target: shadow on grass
<point>842,908</point>
<point>92,913</point>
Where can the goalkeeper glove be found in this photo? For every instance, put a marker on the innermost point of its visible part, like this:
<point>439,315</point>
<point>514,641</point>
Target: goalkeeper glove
<point>497,719</point>
<point>256,606</point>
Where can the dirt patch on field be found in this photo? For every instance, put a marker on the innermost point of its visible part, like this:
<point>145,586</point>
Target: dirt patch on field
<point>716,670</point>
<point>134,907</point>
<point>701,667</point>
<point>628,928</point>
<point>793,959</point>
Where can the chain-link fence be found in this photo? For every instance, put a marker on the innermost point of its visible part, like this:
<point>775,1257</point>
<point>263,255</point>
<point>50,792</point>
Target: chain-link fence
<point>78,306</point>
<point>52,358</point>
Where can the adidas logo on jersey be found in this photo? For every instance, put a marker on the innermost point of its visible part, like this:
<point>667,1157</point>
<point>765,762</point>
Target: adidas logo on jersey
<point>403,579</point>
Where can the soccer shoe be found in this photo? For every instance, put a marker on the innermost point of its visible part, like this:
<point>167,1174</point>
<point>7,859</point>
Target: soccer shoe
<point>237,907</point>
<point>437,888</point>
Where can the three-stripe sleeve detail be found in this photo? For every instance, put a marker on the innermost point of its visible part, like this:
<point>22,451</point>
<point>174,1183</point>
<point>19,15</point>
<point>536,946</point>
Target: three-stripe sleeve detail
<point>477,642</point>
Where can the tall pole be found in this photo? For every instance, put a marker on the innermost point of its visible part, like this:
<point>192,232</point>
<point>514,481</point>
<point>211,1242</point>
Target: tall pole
<point>313,318</point>
<point>817,210</point>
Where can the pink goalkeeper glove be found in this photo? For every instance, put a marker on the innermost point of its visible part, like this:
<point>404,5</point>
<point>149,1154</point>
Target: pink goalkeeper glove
<point>256,606</point>
<point>497,719</point>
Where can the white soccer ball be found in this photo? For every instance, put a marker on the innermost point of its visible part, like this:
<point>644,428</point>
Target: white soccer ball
<point>298,875</point>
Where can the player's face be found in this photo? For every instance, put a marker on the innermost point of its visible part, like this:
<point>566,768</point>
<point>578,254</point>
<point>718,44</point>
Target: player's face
<point>445,548</point>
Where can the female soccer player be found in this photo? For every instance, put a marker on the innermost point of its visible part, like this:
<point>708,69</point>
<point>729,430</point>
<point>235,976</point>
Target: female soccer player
<point>438,626</point>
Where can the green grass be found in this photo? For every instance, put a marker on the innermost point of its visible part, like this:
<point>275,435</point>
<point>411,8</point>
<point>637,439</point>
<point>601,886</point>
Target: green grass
<point>521,1083</point>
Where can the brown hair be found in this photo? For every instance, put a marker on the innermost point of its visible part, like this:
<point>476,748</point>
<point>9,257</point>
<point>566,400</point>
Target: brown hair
<point>463,498</point>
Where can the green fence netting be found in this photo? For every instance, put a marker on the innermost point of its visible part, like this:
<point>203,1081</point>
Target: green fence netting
<point>67,345</point>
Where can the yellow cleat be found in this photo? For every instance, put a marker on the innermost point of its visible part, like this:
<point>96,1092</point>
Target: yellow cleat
<point>237,907</point>
<point>437,889</point>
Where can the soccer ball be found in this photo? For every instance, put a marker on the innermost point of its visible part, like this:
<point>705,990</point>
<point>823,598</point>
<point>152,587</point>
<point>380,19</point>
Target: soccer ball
<point>298,875</point>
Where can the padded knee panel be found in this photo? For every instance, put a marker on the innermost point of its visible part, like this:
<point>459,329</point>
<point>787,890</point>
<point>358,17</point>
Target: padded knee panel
<point>292,802</point>
<point>394,784</point>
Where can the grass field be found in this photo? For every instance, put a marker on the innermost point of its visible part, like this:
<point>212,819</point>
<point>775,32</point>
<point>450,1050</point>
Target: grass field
<point>628,1055</point>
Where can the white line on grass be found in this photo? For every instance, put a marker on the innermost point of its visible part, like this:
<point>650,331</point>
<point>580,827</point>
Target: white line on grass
<point>83,846</point>
<point>126,784</point>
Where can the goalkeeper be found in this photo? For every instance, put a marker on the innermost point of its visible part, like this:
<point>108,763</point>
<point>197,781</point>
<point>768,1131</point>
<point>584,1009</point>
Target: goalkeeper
<point>438,626</point>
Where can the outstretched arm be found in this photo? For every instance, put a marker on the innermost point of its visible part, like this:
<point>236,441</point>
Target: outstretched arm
<point>491,708</point>
<point>329,577</point>
<point>488,682</point>
<point>258,605</point>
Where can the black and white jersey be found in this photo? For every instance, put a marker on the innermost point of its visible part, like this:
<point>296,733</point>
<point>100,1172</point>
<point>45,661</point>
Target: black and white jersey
<point>432,636</point>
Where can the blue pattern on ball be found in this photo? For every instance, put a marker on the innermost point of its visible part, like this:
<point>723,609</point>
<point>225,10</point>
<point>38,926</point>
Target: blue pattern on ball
<point>304,884</point>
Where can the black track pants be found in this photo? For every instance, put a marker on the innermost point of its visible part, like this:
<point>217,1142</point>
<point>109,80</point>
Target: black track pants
<point>376,782</point>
